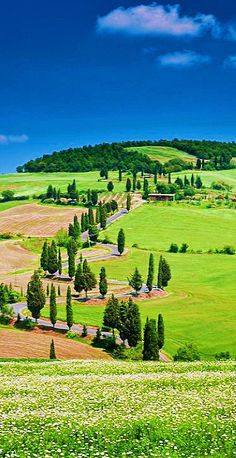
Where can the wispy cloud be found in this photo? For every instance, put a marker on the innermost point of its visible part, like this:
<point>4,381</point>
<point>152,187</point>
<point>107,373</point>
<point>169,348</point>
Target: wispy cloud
<point>182,59</point>
<point>6,139</point>
<point>158,19</point>
<point>230,61</point>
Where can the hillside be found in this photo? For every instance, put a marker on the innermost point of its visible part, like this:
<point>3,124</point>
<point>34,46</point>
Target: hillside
<point>117,410</point>
<point>113,156</point>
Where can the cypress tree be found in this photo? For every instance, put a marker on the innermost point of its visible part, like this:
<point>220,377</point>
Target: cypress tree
<point>97,215</point>
<point>71,259</point>
<point>82,223</point>
<point>3,296</point>
<point>88,196</point>
<point>198,183</point>
<point>79,279</point>
<point>150,346</point>
<point>122,322</point>
<point>159,276</point>
<point>94,197</point>
<point>59,262</point>
<point>77,228</point>
<point>166,273</point>
<point>133,323</point>
<point>139,185</point>
<point>136,281</point>
<point>53,306</point>
<point>59,291</point>
<point>44,257</point>
<point>52,354</point>
<point>134,184</point>
<point>111,316</point>
<point>103,218</point>
<point>69,310</point>
<point>85,331</point>
<point>128,202</point>
<point>103,282</point>
<point>86,221</point>
<point>52,258</point>
<point>89,278</point>
<point>145,188</point>
<point>121,241</point>
<point>120,174</point>
<point>90,216</point>
<point>48,290</point>
<point>161,331</point>
<point>71,231</point>
<point>128,185</point>
<point>110,186</point>
<point>150,276</point>
<point>35,295</point>
<point>169,178</point>
<point>192,180</point>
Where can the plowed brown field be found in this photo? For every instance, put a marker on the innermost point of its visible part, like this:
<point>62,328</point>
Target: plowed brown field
<point>15,257</point>
<point>37,220</point>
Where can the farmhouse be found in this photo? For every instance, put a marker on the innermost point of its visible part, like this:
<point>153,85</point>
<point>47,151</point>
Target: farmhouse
<point>161,197</point>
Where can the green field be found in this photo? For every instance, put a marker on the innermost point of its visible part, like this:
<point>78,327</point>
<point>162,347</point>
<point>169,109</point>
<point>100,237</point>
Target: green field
<point>29,184</point>
<point>163,153</point>
<point>207,177</point>
<point>201,302</point>
<point>117,410</point>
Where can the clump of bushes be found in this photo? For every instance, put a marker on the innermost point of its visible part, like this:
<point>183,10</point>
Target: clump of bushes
<point>223,356</point>
<point>6,315</point>
<point>188,352</point>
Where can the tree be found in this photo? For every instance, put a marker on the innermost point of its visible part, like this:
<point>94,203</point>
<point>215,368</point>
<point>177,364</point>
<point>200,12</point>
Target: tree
<point>192,181</point>
<point>84,332</point>
<point>188,352</point>
<point>69,310</point>
<point>159,275</point>
<point>134,183</point>
<point>160,331</point>
<point>198,164</point>
<point>35,296</point>
<point>94,197</point>
<point>103,282</point>
<point>52,258</point>
<point>48,290</point>
<point>128,202</point>
<point>44,257</point>
<point>139,185</point>
<point>198,183</point>
<point>150,346</point>
<point>150,276</point>
<point>52,354</point>
<point>77,228</point>
<point>97,215</point>
<point>121,241</point>
<point>8,195</point>
<point>169,178</point>
<point>59,291</point>
<point>53,306</point>
<point>120,174</point>
<point>71,231</point>
<point>79,279</point>
<point>103,217</point>
<point>59,262</point>
<point>133,324</point>
<point>3,296</point>
<point>93,233</point>
<point>128,185</point>
<point>110,186</point>
<point>173,248</point>
<point>90,216</point>
<point>136,281</point>
<point>89,278</point>
<point>114,205</point>
<point>71,258</point>
<point>111,316</point>
<point>166,273</point>
<point>145,188</point>
<point>186,181</point>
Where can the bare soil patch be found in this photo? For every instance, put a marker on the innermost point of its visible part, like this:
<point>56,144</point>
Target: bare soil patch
<point>36,344</point>
<point>15,257</point>
<point>37,220</point>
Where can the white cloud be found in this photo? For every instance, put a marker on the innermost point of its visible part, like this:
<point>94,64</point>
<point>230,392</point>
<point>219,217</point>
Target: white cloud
<point>157,19</point>
<point>230,61</point>
<point>182,59</point>
<point>6,139</point>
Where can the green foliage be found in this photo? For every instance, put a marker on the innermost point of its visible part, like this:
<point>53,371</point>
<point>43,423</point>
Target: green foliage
<point>52,354</point>
<point>110,186</point>
<point>44,257</point>
<point>84,332</point>
<point>223,356</point>
<point>128,202</point>
<point>103,287</point>
<point>69,309</point>
<point>59,262</point>
<point>111,313</point>
<point>121,242</point>
<point>35,295</point>
<point>128,185</point>
<point>150,345</point>
<point>160,331</point>
<point>188,352</point>
<point>52,258</point>
<point>8,195</point>
<point>62,238</point>
<point>93,233</point>
<point>145,188</point>
<point>136,281</point>
<point>183,248</point>
<point>173,248</point>
<point>53,306</point>
<point>150,276</point>
<point>132,323</point>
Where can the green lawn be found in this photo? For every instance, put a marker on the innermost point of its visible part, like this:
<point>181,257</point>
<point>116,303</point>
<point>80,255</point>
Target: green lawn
<point>37,183</point>
<point>163,153</point>
<point>7,205</point>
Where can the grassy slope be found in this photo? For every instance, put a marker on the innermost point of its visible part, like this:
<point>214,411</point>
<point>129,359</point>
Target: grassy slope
<point>163,153</point>
<point>36,183</point>
<point>228,176</point>
<point>201,302</point>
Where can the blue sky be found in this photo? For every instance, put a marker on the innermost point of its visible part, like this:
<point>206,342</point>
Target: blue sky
<point>75,72</point>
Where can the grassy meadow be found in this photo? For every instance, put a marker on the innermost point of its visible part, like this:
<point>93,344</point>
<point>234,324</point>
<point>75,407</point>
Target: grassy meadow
<point>208,177</point>
<point>163,153</point>
<point>117,409</point>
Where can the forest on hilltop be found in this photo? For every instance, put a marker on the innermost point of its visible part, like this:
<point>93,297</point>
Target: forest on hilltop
<point>114,156</point>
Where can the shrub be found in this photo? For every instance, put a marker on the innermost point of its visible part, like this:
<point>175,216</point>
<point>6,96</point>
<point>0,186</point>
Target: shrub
<point>27,324</point>
<point>183,248</point>
<point>222,356</point>
<point>84,332</point>
<point>228,250</point>
<point>173,248</point>
<point>72,335</point>
<point>189,352</point>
